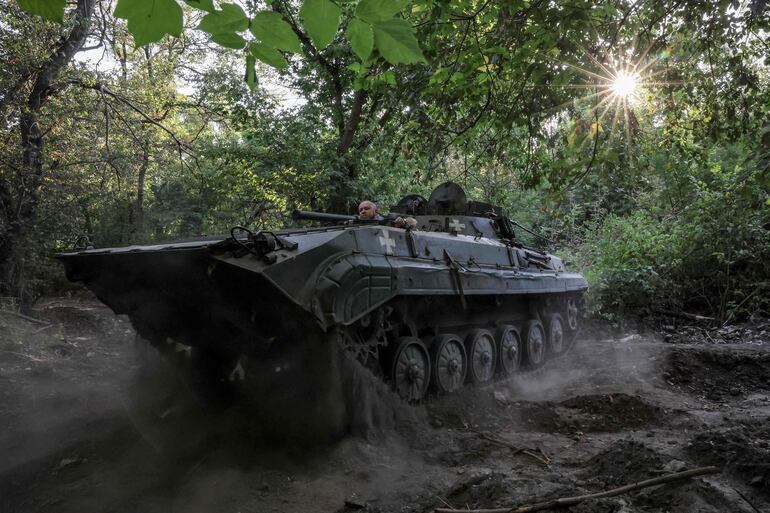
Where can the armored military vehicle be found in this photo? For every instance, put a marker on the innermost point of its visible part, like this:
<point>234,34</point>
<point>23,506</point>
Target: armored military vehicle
<point>456,299</point>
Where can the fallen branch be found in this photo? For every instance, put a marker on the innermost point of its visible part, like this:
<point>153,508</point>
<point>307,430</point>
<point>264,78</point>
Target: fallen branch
<point>564,502</point>
<point>532,453</point>
<point>27,356</point>
<point>40,330</point>
<point>26,317</point>
<point>684,315</point>
<point>746,500</point>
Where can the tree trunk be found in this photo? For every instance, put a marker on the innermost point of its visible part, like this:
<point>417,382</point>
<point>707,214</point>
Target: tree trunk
<point>349,130</point>
<point>148,62</point>
<point>19,206</point>
<point>138,217</point>
<point>340,183</point>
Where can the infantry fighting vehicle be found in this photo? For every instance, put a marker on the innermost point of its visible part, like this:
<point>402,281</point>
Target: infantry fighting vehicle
<point>457,299</point>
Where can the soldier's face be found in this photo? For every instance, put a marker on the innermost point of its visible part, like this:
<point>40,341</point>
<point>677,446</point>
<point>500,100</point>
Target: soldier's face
<point>367,210</point>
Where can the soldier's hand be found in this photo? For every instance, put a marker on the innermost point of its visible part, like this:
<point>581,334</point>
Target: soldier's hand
<point>405,222</point>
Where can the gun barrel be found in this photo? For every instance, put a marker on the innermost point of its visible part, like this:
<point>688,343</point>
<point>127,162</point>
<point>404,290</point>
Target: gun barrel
<point>322,216</point>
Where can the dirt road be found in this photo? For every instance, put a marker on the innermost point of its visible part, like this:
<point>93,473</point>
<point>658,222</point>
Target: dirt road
<point>85,427</point>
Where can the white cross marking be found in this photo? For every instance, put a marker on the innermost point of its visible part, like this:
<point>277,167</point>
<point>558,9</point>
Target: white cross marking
<point>387,243</point>
<point>456,225</point>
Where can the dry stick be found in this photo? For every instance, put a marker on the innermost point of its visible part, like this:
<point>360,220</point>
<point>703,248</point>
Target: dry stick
<point>39,330</point>
<point>516,450</point>
<point>571,501</point>
<point>28,356</point>
<point>746,499</point>
<point>684,315</point>
<point>26,317</point>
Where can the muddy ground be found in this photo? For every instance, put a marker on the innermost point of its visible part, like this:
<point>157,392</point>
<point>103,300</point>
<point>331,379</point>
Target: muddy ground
<point>87,425</point>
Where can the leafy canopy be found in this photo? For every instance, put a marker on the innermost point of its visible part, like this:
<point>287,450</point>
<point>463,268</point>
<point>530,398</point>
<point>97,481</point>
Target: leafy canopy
<point>150,21</point>
<point>374,24</point>
<point>49,9</point>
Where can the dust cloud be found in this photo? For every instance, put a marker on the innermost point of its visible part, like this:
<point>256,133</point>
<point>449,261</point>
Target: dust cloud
<point>88,427</point>
<point>625,364</point>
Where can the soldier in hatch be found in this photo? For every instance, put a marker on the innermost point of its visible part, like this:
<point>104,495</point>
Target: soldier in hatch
<point>367,210</point>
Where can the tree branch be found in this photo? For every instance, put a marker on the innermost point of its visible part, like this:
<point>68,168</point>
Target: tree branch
<point>350,127</point>
<point>564,502</point>
<point>102,89</point>
<point>331,69</point>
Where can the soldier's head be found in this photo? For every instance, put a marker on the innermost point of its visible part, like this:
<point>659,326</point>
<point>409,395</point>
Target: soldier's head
<point>367,210</point>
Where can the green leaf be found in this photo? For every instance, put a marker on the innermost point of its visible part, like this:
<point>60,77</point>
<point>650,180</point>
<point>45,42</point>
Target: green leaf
<point>229,40</point>
<point>320,18</point>
<point>49,9</point>
<point>361,37</point>
<point>396,42</point>
<point>203,5</point>
<point>268,55</point>
<point>270,28</point>
<point>230,19</point>
<point>150,21</point>
<point>379,10</point>
<point>251,73</point>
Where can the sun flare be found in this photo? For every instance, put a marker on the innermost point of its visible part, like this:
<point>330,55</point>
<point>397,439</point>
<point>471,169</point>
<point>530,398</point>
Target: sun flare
<point>617,88</point>
<point>625,84</point>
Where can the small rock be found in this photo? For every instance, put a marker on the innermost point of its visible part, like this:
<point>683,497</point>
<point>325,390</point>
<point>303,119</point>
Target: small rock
<point>757,481</point>
<point>353,502</point>
<point>66,462</point>
<point>735,391</point>
<point>675,466</point>
<point>264,487</point>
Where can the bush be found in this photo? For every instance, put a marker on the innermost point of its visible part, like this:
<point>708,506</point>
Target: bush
<point>711,255</point>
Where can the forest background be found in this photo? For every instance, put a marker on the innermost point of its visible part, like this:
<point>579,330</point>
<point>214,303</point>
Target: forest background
<point>635,135</point>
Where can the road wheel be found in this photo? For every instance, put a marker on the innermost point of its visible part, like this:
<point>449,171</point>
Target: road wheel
<point>481,357</point>
<point>410,372</point>
<point>556,335</point>
<point>509,350</point>
<point>449,363</point>
<point>535,344</point>
<point>573,314</point>
<point>572,323</point>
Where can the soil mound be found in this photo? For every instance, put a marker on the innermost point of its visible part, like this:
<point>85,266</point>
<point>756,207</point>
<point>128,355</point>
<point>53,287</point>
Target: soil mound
<point>743,450</point>
<point>608,412</point>
<point>696,496</point>
<point>486,489</point>
<point>624,462</point>
<point>595,413</point>
<point>718,373</point>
